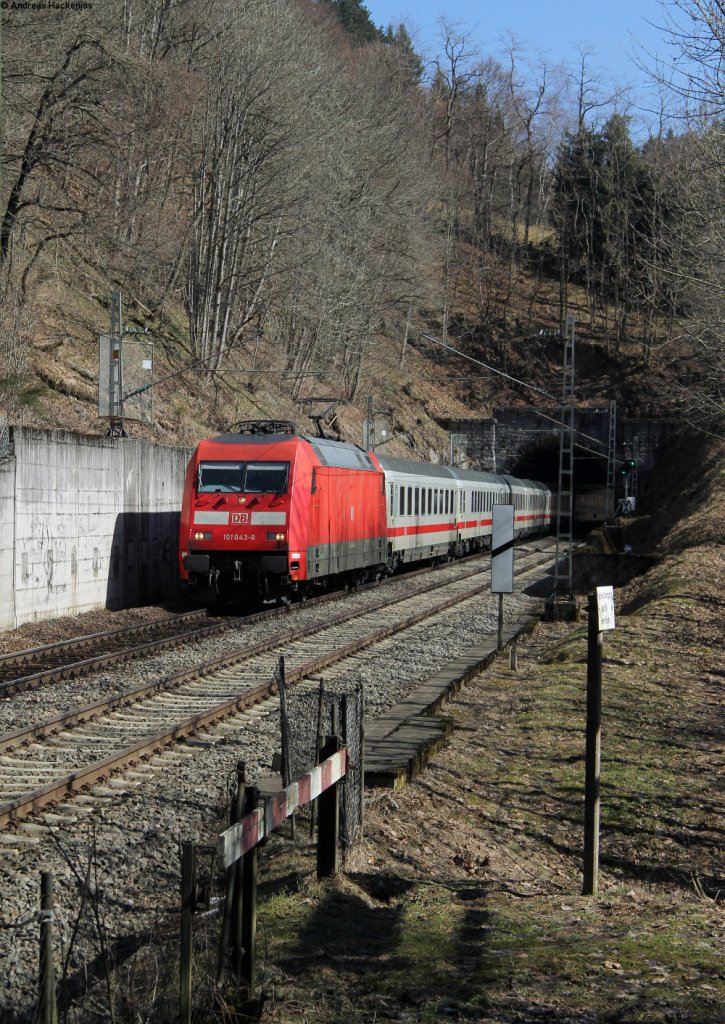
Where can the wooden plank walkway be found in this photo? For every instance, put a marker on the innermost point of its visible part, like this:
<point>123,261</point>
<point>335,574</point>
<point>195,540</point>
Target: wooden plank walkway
<point>399,744</point>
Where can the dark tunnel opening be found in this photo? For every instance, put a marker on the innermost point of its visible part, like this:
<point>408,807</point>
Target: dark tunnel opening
<point>540,461</point>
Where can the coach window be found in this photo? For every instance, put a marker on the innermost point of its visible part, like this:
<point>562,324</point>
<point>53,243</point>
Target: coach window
<point>410,500</point>
<point>417,501</point>
<point>390,503</point>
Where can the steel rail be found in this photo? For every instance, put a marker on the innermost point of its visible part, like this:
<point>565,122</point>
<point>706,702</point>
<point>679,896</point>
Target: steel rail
<point>34,654</point>
<point>83,778</point>
<point>21,737</point>
<point>71,670</point>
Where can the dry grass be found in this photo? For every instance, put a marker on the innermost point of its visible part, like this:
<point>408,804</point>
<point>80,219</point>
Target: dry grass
<point>464,902</point>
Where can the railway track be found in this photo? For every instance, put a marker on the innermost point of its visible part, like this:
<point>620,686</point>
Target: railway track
<point>67,659</point>
<point>79,656</point>
<point>49,761</point>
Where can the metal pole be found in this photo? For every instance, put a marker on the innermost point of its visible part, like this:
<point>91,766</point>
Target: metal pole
<point>284,718</point>
<point>499,645</point>
<point>611,460</point>
<point>237,910</point>
<point>593,752</point>
<point>328,830</point>
<point>249,902</point>
<point>116,427</point>
<point>188,872</point>
<point>565,509</point>
<point>49,1009</point>
<point>361,710</point>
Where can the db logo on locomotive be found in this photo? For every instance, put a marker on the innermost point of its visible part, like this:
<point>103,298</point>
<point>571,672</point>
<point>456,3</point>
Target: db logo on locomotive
<point>240,517</point>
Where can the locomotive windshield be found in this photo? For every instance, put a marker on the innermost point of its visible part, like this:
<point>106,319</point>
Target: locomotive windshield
<point>226,477</point>
<point>266,477</point>
<point>241,477</point>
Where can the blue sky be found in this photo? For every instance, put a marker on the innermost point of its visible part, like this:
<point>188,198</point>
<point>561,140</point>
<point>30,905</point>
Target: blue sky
<point>612,30</point>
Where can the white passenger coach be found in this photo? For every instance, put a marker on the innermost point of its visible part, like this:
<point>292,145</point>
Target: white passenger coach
<point>437,511</point>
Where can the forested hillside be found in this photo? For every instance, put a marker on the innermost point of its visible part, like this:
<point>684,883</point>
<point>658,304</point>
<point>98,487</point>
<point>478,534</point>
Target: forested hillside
<point>289,198</point>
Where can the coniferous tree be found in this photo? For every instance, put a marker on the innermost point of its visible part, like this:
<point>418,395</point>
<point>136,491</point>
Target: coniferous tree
<point>357,21</point>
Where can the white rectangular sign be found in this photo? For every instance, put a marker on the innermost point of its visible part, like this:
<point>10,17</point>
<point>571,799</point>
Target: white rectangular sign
<point>502,550</point>
<point>605,608</point>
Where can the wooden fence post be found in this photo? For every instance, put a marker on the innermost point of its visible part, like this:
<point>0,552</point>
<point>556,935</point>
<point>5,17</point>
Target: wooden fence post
<point>237,907</point>
<point>231,925</point>
<point>593,752</point>
<point>188,873</point>
<point>248,972</point>
<point>328,829</point>
<point>48,1005</point>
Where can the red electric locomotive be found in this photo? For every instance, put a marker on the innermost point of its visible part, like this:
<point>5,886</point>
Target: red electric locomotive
<point>270,512</point>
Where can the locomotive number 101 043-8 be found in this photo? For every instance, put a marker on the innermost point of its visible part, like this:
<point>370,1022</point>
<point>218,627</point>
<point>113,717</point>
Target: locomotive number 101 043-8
<point>240,536</point>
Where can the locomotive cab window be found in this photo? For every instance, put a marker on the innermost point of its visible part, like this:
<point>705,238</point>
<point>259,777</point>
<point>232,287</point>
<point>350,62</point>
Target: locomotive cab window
<point>222,477</point>
<point>266,477</point>
<point>240,477</point>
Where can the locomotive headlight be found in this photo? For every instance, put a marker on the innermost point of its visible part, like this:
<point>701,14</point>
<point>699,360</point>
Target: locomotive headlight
<point>206,535</point>
<point>275,536</point>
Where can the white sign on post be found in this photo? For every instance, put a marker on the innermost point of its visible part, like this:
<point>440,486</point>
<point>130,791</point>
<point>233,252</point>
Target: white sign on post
<point>502,550</point>
<point>605,608</point>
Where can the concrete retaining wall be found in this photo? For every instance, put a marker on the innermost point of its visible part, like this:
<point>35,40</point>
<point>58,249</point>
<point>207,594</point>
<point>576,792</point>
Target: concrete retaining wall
<point>86,522</point>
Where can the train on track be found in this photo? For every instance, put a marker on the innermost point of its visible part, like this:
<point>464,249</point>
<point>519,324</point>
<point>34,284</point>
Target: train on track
<point>269,512</point>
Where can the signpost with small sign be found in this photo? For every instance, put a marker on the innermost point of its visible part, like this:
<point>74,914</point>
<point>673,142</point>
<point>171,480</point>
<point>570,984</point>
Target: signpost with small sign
<point>601,618</point>
<point>605,608</point>
<point>502,558</point>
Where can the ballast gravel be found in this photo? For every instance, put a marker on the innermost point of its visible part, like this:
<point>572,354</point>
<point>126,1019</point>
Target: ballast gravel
<point>127,833</point>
